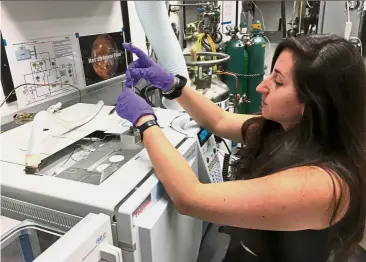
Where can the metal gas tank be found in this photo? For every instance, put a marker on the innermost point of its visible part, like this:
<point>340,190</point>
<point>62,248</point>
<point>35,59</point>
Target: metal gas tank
<point>218,92</point>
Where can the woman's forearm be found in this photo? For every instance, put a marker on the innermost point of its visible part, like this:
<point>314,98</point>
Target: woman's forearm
<point>171,168</point>
<point>200,108</point>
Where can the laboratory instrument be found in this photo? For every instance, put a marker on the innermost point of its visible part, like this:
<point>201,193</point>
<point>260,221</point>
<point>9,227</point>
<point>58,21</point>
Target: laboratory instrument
<point>97,168</point>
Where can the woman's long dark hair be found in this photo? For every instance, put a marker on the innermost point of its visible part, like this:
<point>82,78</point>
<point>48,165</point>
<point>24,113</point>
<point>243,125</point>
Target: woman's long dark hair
<point>330,79</point>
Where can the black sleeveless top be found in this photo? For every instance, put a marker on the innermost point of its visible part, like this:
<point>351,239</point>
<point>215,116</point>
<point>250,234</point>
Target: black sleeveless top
<point>249,245</point>
<point>277,246</point>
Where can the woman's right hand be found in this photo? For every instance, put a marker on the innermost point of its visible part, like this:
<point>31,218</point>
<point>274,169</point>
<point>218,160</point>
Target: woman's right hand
<point>145,68</point>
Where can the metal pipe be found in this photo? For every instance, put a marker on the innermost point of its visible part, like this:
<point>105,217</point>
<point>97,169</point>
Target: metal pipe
<point>283,16</point>
<point>236,86</point>
<point>301,14</point>
<point>236,13</point>
<point>184,27</point>
<point>223,58</point>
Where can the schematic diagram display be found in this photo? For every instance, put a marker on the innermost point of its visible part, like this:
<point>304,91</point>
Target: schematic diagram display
<point>47,67</point>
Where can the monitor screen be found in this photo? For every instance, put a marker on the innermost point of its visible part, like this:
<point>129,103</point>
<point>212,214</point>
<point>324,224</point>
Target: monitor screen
<point>203,136</point>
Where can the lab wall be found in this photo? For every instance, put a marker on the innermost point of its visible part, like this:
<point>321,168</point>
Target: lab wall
<point>137,32</point>
<point>28,20</point>
<point>37,19</point>
<point>335,17</point>
<point>271,11</point>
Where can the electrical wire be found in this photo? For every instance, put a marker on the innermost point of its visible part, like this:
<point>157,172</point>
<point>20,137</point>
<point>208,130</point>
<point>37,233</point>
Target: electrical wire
<point>293,15</point>
<point>300,19</point>
<point>269,44</point>
<point>359,40</point>
<point>260,11</point>
<point>70,156</point>
<point>172,127</point>
<point>219,140</point>
<point>226,168</point>
<point>227,147</point>
<point>360,44</point>
<point>84,148</point>
<point>28,84</point>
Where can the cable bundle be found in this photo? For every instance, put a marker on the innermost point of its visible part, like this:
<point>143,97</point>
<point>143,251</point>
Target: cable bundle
<point>225,167</point>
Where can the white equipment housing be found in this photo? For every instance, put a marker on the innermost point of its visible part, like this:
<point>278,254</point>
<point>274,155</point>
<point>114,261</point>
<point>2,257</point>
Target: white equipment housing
<point>142,221</point>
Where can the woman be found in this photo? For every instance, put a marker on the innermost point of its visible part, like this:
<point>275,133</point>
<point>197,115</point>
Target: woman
<point>300,188</point>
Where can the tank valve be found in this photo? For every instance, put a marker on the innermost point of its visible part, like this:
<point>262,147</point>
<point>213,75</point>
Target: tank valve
<point>244,99</point>
<point>193,53</point>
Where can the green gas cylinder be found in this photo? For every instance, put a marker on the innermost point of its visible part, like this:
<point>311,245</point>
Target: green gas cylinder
<point>243,27</point>
<point>255,46</point>
<point>237,64</point>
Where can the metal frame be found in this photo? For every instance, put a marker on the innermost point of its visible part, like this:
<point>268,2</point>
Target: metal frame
<point>126,27</point>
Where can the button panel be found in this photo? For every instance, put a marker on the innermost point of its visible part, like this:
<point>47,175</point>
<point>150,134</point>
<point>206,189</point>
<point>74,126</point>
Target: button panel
<point>214,170</point>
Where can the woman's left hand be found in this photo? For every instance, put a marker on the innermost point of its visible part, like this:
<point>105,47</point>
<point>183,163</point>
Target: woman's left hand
<point>132,107</point>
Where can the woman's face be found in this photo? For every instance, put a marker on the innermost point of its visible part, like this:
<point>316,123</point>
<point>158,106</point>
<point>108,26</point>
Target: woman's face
<point>280,102</point>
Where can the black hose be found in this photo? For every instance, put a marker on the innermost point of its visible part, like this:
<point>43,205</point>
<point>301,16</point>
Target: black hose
<point>225,167</point>
<point>228,149</point>
<point>219,140</point>
<point>206,45</point>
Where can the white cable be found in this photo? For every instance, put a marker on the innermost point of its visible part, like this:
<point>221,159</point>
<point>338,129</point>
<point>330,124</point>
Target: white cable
<point>348,26</point>
<point>264,28</point>
<point>293,15</point>
<point>300,20</point>
<point>99,106</point>
<point>222,151</point>
<point>360,45</point>
<point>269,44</point>
<point>359,40</point>
<point>90,117</point>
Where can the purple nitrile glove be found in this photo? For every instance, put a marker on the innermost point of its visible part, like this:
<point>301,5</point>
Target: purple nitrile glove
<point>132,107</point>
<point>147,69</point>
<point>129,81</point>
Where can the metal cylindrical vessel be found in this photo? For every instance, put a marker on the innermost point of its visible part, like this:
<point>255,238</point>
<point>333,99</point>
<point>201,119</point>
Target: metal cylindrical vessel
<point>255,48</point>
<point>237,64</point>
